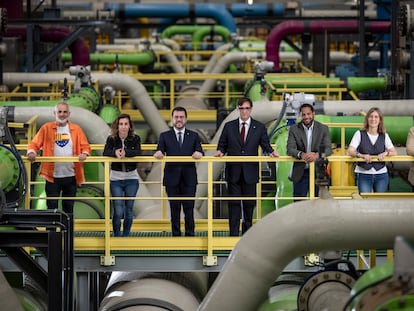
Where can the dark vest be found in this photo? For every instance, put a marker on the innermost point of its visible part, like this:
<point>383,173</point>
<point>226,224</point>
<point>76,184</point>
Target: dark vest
<point>366,147</point>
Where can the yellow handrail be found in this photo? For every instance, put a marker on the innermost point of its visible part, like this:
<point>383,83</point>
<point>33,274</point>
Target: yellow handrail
<point>208,244</point>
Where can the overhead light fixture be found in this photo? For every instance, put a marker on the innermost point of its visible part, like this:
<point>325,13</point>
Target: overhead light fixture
<point>250,2</point>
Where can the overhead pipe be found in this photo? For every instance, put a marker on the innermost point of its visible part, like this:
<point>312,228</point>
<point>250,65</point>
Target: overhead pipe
<point>178,10</point>
<point>312,226</point>
<point>205,31</point>
<point>217,54</point>
<point>198,33</point>
<point>172,44</point>
<point>171,58</point>
<point>138,59</point>
<point>78,49</point>
<point>83,99</point>
<point>118,81</point>
<point>223,64</point>
<point>287,28</point>
<point>15,9</point>
<point>356,84</point>
<point>94,127</point>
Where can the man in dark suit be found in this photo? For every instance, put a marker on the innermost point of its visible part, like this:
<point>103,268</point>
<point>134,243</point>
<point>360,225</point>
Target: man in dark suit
<point>180,179</point>
<point>304,142</point>
<point>242,137</point>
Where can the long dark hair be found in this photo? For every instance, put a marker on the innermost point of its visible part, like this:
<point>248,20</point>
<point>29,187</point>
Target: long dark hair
<point>115,125</point>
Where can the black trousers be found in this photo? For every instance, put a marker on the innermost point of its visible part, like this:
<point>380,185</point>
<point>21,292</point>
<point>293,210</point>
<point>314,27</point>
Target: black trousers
<point>65,187</point>
<point>241,189</point>
<point>182,190</point>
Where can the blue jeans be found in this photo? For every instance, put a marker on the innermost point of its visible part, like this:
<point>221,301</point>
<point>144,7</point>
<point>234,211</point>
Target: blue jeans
<point>123,208</point>
<point>369,182</point>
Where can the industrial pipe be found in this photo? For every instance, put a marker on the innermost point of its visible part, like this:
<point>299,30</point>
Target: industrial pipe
<point>134,88</point>
<point>137,59</point>
<point>197,32</point>
<point>78,49</point>
<point>264,251</point>
<point>284,29</point>
<point>177,10</point>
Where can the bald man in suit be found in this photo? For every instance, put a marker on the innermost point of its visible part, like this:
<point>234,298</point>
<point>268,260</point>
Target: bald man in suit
<point>242,137</point>
<point>180,179</point>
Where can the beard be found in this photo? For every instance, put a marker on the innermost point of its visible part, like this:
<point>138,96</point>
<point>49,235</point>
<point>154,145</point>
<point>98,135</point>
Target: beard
<point>61,121</point>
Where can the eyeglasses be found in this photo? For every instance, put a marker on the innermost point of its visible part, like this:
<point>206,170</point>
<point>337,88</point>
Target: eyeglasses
<point>245,108</point>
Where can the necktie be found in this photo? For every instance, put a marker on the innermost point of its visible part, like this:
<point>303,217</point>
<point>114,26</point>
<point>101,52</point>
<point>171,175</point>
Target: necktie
<point>243,132</point>
<point>180,138</point>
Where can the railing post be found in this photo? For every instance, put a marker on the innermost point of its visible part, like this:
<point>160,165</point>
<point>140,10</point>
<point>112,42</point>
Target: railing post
<point>210,260</point>
<point>311,180</point>
<point>107,259</point>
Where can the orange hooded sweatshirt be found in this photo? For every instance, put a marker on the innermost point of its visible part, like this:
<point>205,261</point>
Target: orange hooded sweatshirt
<point>45,140</point>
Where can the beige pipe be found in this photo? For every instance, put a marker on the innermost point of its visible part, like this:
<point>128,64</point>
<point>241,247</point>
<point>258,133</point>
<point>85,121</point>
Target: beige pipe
<point>309,226</point>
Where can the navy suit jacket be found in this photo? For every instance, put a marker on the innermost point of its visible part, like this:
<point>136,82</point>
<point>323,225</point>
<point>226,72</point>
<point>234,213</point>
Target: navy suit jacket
<point>297,141</point>
<point>176,173</point>
<point>230,143</point>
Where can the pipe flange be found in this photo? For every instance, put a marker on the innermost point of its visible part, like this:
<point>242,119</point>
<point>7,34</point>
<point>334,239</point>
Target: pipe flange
<point>317,280</point>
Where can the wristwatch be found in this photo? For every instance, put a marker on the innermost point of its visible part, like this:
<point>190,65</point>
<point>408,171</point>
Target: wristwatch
<point>357,154</point>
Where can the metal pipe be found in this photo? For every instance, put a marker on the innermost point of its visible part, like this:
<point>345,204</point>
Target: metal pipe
<point>224,62</point>
<point>264,251</point>
<point>284,29</point>
<point>95,128</point>
<point>79,49</point>
<point>134,88</point>
<point>137,59</point>
<point>177,10</point>
<point>179,291</point>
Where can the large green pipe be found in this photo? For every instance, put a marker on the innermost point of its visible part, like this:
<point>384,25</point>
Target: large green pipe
<point>83,209</point>
<point>284,185</point>
<point>397,127</point>
<point>360,84</point>
<point>87,98</point>
<point>303,82</point>
<point>9,169</point>
<point>198,32</point>
<point>254,91</point>
<point>109,112</point>
<point>355,84</point>
<point>204,31</point>
<point>138,59</point>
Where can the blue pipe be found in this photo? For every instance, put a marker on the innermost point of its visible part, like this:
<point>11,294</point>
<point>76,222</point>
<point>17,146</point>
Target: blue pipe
<point>218,12</point>
<point>223,14</point>
<point>262,9</point>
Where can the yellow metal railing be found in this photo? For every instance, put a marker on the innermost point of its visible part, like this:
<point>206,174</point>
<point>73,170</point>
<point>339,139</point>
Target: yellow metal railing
<point>208,243</point>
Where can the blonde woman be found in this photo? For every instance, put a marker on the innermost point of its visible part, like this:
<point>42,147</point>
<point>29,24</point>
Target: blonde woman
<point>372,140</point>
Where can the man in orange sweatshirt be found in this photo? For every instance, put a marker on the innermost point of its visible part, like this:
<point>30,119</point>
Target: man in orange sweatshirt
<point>65,139</point>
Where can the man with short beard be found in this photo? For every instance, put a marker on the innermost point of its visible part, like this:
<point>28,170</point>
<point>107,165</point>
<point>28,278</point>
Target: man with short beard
<point>60,138</point>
